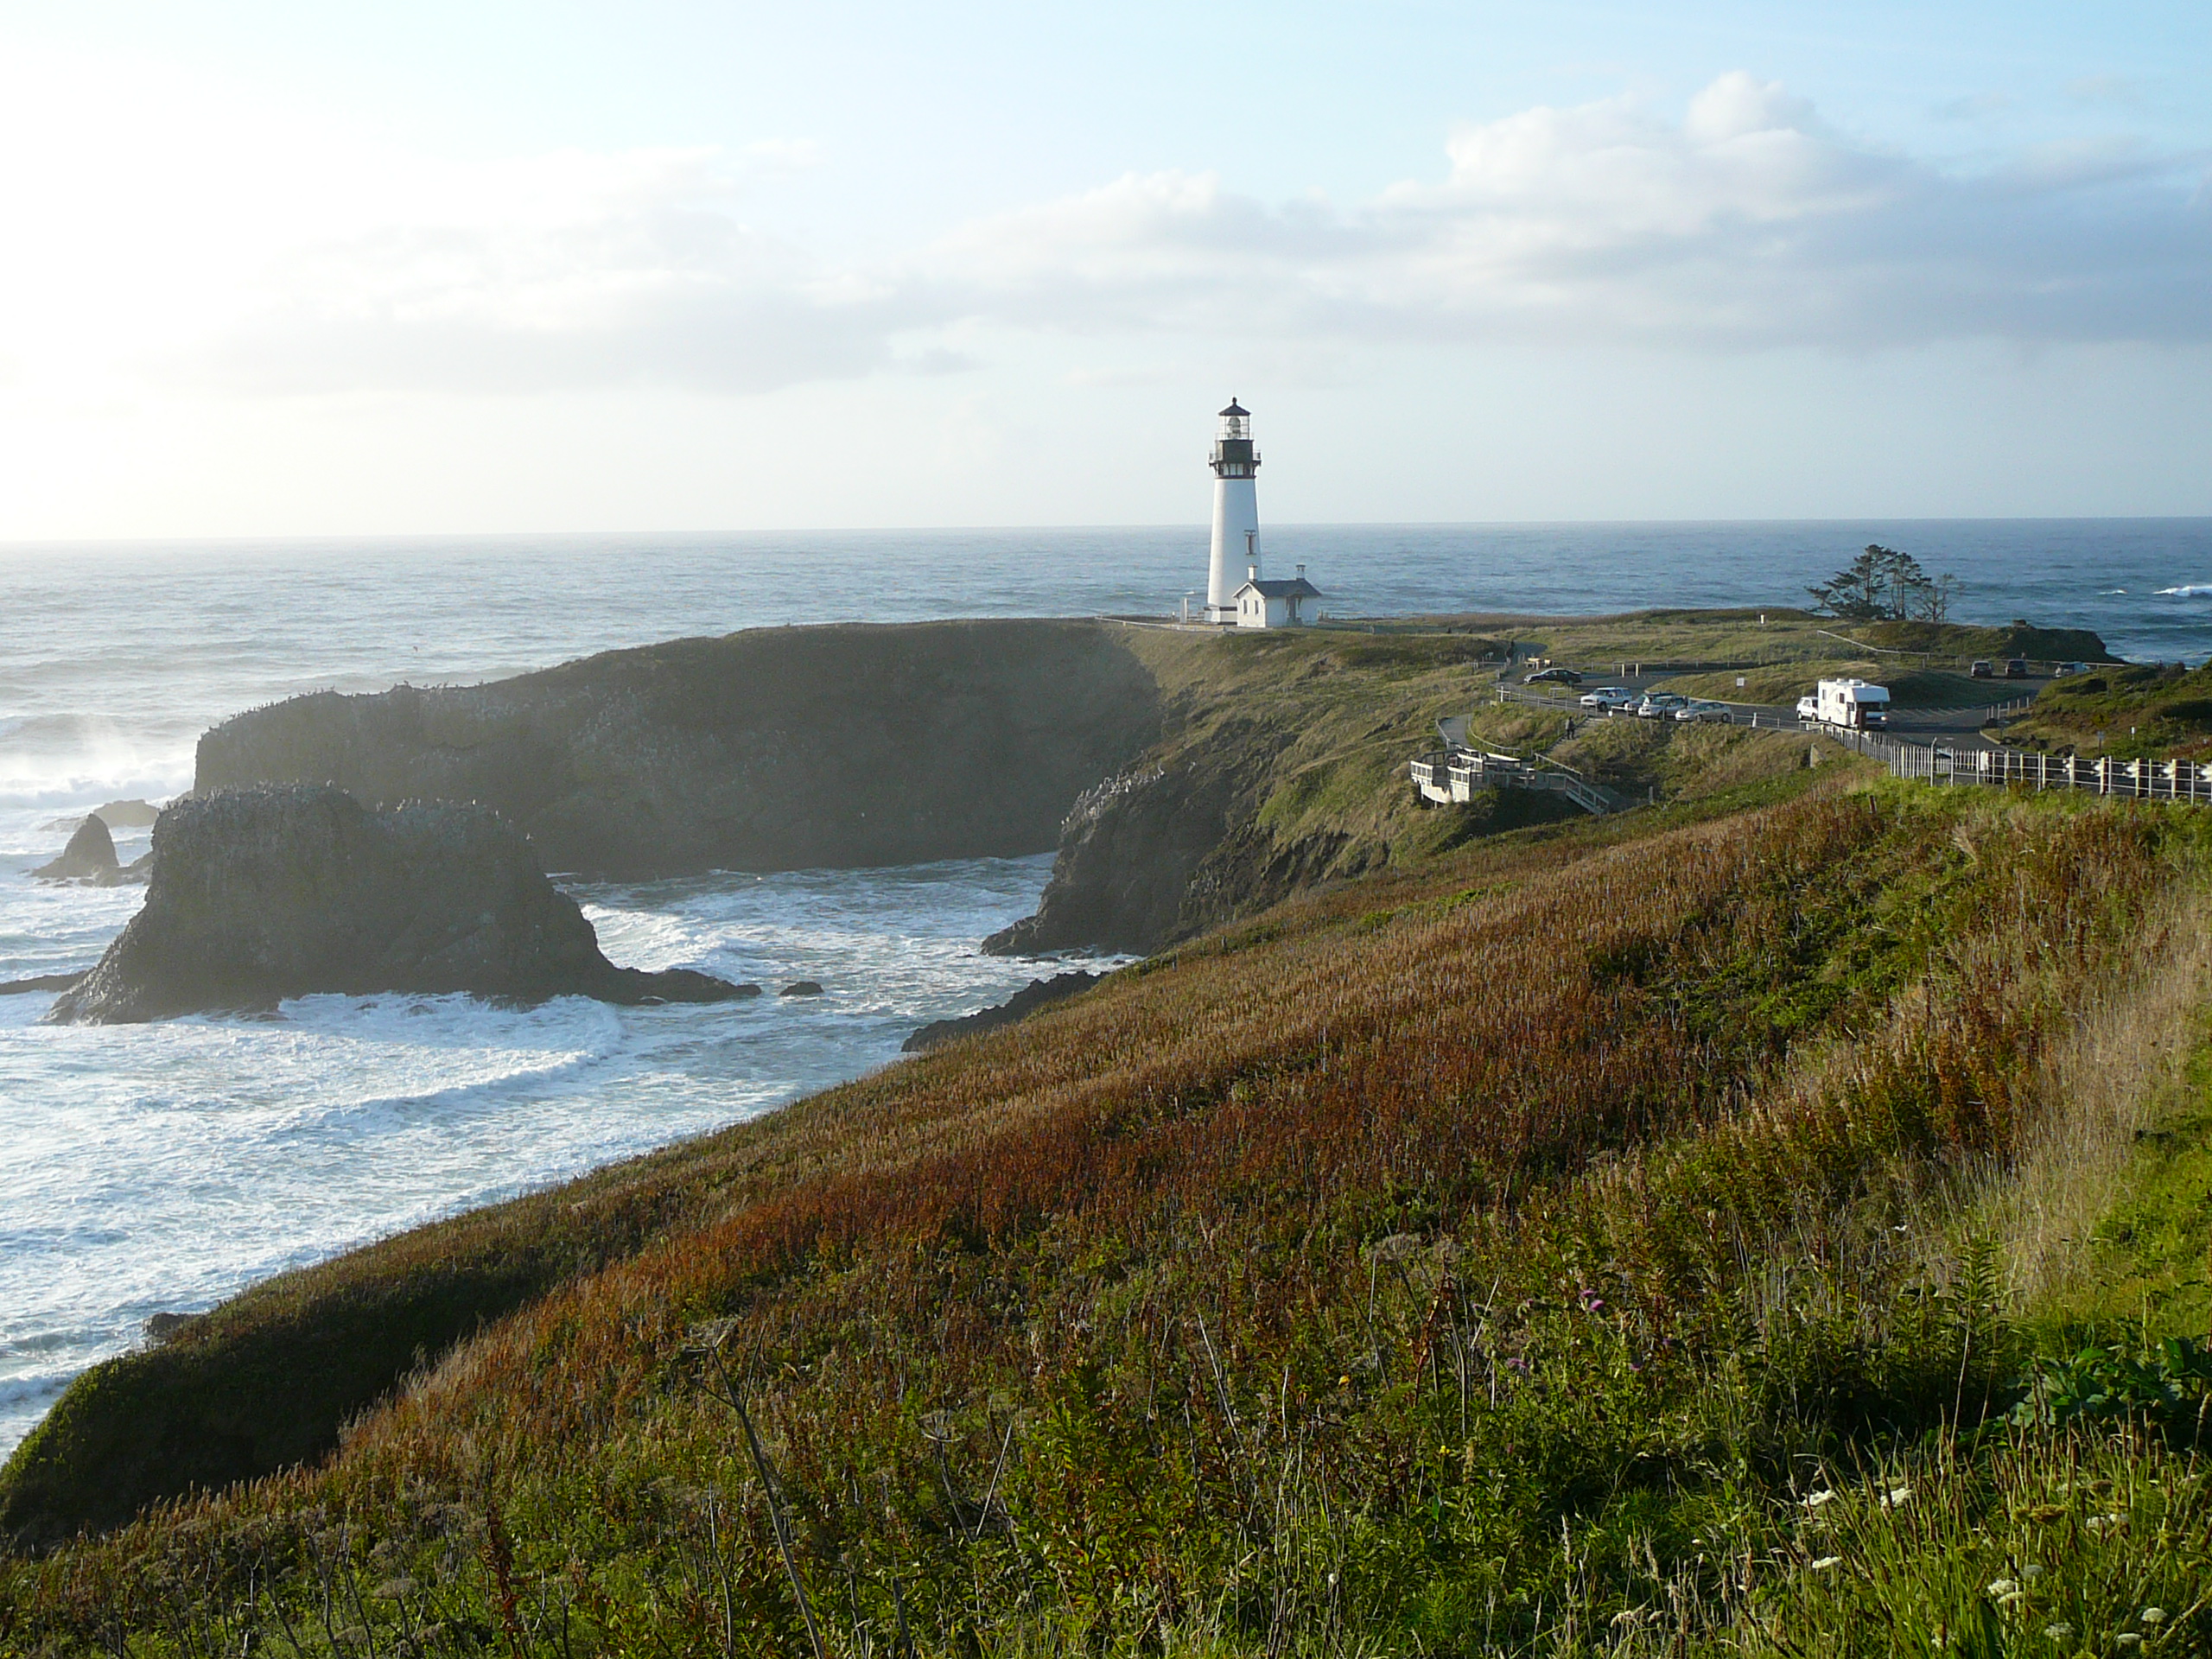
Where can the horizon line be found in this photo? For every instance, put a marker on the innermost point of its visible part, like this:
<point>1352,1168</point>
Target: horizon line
<point>1196,527</point>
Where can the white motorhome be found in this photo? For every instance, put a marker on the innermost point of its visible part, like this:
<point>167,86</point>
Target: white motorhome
<point>1855,704</point>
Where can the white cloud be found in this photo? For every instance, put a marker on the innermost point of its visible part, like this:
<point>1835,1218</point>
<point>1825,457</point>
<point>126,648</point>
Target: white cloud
<point>563,272</point>
<point>175,237</point>
<point>1747,224</point>
<point>167,230</point>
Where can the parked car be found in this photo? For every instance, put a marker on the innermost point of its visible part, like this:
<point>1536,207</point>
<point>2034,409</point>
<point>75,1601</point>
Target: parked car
<point>1981,670</point>
<point>1700,708</point>
<point>1808,711</point>
<point>2017,669</point>
<point>2064,669</point>
<point>1607,696</point>
<point>1658,705</point>
<point>1556,676</point>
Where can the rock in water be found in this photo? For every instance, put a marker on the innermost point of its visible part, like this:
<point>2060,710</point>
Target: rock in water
<point>38,982</point>
<point>802,987</point>
<point>1036,994</point>
<point>258,894</point>
<point>127,814</point>
<point>91,853</point>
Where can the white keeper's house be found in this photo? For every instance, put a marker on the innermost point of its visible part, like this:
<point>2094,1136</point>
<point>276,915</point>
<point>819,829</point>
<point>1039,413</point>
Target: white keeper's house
<point>1264,604</point>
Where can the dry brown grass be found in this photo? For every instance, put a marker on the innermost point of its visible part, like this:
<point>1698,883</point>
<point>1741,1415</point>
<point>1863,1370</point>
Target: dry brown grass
<point>2102,1084</point>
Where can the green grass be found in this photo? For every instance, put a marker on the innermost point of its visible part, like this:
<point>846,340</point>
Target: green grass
<point>2151,1255</point>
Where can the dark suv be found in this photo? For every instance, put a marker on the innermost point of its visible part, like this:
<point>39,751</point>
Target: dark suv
<point>2017,669</point>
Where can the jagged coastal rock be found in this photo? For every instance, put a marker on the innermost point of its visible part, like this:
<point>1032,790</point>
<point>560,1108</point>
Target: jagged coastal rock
<point>258,894</point>
<point>775,748</point>
<point>133,814</point>
<point>1127,854</point>
<point>89,855</point>
<point>1036,994</point>
<point>127,814</point>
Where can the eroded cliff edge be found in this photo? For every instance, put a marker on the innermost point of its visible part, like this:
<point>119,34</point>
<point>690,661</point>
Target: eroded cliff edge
<point>1280,764</point>
<point>1186,777</point>
<point>844,746</point>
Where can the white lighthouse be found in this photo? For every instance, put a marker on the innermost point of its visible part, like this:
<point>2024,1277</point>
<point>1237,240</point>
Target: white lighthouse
<point>1235,514</point>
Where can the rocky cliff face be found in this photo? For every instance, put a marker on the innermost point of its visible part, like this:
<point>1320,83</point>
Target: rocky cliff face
<point>1281,765</point>
<point>260,894</point>
<point>778,748</point>
<point>1128,854</point>
<point>1185,777</point>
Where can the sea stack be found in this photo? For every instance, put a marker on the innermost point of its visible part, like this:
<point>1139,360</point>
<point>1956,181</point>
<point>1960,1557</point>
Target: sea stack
<point>89,855</point>
<point>259,894</point>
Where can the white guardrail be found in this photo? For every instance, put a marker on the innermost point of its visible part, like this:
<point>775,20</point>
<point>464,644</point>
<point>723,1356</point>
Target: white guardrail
<point>1937,762</point>
<point>1934,763</point>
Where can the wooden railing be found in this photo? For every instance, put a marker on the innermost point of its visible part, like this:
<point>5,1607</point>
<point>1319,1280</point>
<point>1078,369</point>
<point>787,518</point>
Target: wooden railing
<point>1451,777</point>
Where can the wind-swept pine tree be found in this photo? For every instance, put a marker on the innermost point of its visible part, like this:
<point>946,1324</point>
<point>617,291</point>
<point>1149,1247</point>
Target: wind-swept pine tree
<point>1881,583</point>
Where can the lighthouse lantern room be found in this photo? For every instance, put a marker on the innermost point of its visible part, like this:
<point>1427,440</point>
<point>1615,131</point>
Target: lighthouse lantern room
<point>1235,514</point>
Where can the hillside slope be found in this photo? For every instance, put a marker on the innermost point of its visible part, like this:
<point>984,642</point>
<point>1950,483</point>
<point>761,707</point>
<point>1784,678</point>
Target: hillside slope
<point>1494,1252</point>
<point>1280,764</point>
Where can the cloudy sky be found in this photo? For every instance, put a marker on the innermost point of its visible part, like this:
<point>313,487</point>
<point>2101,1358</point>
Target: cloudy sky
<point>275,268</point>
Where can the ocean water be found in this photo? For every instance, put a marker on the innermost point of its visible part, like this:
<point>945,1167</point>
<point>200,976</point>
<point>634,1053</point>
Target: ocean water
<point>161,1167</point>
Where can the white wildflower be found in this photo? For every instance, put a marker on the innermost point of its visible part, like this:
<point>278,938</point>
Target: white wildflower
<point>1826,1562</point>
<point>1814,1500</point>
<point>2059,1631</point>
<point>2152,1616</point>
<point>2128,1639</point>
<point>1897,1495</point>
<point>2032,1573</point>
<point>2003,1587</point>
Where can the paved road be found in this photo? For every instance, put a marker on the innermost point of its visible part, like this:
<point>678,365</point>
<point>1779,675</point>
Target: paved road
<point>1955,728</point>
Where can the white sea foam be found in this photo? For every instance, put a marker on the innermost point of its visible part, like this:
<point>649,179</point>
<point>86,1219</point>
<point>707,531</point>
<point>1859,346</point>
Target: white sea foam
<point>2188,590</point>
<point>160,1168</point>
